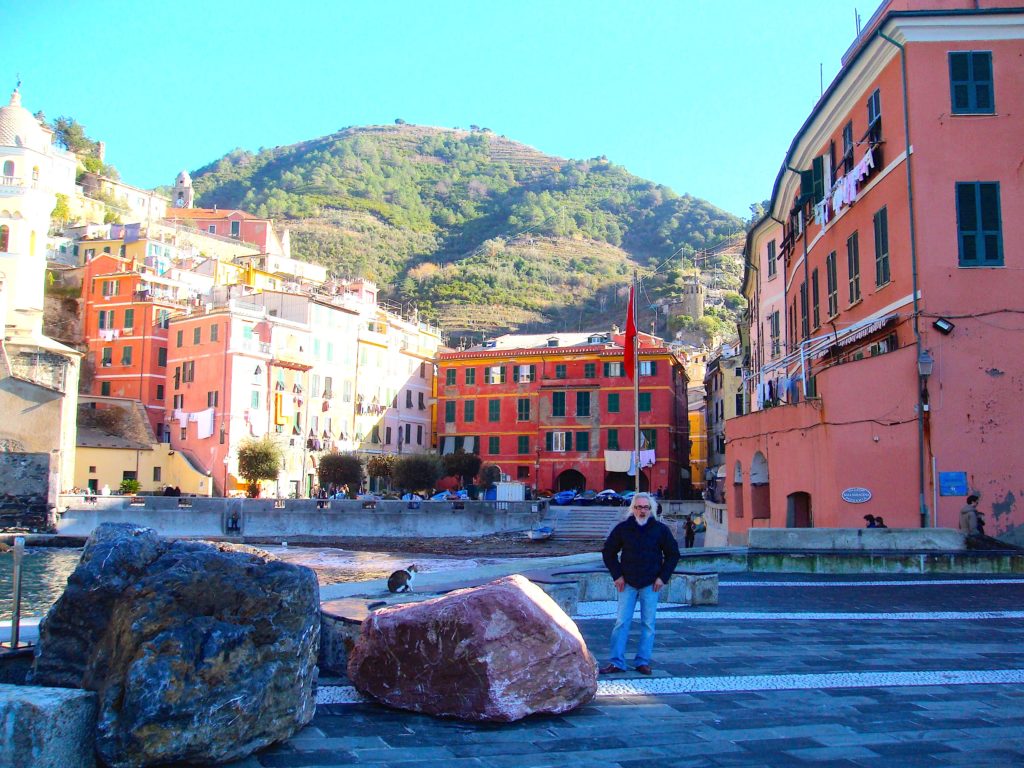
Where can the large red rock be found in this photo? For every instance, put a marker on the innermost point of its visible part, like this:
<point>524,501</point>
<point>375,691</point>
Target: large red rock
<point>499,652</point>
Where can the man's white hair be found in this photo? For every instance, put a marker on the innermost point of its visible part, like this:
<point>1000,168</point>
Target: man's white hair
<point>650,500</point>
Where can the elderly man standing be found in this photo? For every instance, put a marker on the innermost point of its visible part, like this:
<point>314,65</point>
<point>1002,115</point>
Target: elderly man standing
<point>640,554</point>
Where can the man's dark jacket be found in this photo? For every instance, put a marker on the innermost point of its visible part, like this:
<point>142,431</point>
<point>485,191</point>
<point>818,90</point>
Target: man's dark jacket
<point>648,552</point>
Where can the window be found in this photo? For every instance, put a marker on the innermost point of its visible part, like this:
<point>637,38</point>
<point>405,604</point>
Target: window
<point>805,329</point>
<point>582,403</point>
<point>526,373</point>
<point>613,402</point>
<point>470,375</point>
<point>126,355</point>
<point>163,318</point>
<point>558,403</point>
<point>613,439</point>
<point>181,338</point>
<point>970,82</point>
<point>832,284</point>
<point>197,335</point>
<point>449,412</point>
<point>523,409</point>
<point>212,399</point>
<point>494,374</point>
<point>469,411</point>
<point>188,371</point>
<point>523,444</point>
<point>213,332</point>
<point>645,402</point>
<point>236,231</point>
<point>648,439</point>
<point>212,229</point>
<point>648,367</point>
<point>105,388</point>
<point>558,442</point>
<point>107,357</point>
<point>387,434</point>
<point>449,377</point>
<point>881,247</point>
<point>179,402</point>
<point>772,267</point>
<point>329,387</point>
<point>612,370</point>
<point>106,319</point>
<point>979,228</point>
<point>875,117</point>
<point>156,474</point>
<point>774,331</point>
<point>419,434</point>
<point>160,392</point>
<point>815,303</point>
<point>590,370</point>
<point>560,371</point>
<point>494,445</point>
<point>421,404</point>
<point>129,319</point>
<point>848,147</point>
<point>494,410</point>
<point>853,266</point>
<point>375,434</point>
<point>110,287</point>
<point>582,441</point>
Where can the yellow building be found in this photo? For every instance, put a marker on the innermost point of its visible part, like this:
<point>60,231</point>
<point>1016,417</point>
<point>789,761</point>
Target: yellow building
<point>116,443</point>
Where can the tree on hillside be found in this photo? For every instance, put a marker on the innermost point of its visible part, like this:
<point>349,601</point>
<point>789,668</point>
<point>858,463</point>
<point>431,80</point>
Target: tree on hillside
<point>416,471</point>
<point>258,459</point>
<point>338,469</point>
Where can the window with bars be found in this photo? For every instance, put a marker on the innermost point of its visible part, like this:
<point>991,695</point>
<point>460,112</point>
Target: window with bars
<point>979,225</point>
<point>970,83</point>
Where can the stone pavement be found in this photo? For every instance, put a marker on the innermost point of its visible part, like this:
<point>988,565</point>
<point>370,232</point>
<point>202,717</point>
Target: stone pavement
<point>786,670</point>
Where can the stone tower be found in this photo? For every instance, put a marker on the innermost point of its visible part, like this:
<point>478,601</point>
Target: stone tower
<point>184,195</point>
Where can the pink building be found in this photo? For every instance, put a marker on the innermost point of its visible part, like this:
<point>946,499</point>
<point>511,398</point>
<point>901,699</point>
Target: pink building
<point>899,366</point>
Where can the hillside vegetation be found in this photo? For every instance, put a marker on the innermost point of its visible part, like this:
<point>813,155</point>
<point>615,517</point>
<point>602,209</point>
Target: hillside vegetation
<point>481,233</point>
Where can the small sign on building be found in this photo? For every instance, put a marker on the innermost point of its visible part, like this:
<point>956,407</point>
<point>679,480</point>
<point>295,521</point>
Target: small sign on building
<point>856,495</point>
<point>952,483</point>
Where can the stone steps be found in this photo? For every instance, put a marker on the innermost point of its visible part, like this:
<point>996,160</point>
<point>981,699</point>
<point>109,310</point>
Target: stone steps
<point>583,523</point>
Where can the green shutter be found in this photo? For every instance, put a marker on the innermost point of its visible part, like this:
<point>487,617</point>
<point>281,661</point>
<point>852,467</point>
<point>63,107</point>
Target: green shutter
<point>549,440</point>
<point>806,186</point>
<point>568,441</point>
<point>817,178</point>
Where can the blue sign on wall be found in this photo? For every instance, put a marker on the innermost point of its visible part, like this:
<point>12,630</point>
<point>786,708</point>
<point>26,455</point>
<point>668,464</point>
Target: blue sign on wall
<point>856,495</point>
<point>952,483</point>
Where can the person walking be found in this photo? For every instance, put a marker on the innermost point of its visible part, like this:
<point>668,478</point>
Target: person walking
<point>969,517</point>
<point>689,532</point>
<point>640,554</point>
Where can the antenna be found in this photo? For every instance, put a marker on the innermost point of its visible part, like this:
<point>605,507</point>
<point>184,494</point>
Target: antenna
<point>856,19</point>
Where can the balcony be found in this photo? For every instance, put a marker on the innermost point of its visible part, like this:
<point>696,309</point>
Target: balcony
<point>290,358</point>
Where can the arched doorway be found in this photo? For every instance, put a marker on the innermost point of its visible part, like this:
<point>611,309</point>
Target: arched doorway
<point>760,489</point>
<point>571,480</point>
<point>798,510</point>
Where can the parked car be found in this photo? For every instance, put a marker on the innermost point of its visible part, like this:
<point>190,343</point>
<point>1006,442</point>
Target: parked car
<point>609,498</point>
<point>563,498</point>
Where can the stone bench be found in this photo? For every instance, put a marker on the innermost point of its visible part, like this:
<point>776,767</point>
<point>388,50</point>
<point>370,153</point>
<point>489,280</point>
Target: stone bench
<point>47,727</point>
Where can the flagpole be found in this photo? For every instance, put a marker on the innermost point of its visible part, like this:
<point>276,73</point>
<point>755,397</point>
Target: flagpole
<point>636,386</point>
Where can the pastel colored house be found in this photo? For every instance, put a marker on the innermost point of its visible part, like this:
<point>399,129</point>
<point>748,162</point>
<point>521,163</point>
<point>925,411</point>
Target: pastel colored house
<point>899,365</point>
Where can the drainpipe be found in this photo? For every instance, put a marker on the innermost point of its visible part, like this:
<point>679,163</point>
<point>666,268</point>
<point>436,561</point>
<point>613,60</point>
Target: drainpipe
<point>923,503</point>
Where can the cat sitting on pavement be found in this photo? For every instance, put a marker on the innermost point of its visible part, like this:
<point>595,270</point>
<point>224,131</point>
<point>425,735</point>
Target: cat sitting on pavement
<point>401,580</point>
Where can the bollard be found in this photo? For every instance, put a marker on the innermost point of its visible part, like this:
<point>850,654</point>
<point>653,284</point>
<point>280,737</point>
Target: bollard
<point>19,553</point>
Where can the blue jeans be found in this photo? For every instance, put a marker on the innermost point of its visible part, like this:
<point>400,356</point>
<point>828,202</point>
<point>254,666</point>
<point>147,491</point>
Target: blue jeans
<point>628,599</point>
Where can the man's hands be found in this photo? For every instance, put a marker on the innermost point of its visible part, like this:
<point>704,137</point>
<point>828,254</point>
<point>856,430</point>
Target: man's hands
<point>620,584</point>
<point>658,584</point>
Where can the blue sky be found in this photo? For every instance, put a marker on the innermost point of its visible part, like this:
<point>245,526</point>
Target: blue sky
<point>703,96</point>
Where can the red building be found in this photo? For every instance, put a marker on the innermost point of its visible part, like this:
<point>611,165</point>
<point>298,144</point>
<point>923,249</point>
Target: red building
<point>238,225</point>
<point>556,412</point>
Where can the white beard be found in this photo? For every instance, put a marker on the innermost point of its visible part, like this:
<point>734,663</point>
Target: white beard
<point>643,521</point>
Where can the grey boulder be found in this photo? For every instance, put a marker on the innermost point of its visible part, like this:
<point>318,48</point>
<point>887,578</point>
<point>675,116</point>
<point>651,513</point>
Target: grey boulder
<point>200,653</point>
<point>499,652</point>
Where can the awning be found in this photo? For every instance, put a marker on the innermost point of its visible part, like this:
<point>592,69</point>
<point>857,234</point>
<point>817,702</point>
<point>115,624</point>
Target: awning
<point>854,334</point>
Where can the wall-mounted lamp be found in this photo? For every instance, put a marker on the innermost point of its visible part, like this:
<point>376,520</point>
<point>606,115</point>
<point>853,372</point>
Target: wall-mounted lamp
<point>943,326</point>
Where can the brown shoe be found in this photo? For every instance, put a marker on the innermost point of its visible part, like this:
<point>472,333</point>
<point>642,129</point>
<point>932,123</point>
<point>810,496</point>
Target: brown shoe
<point>610,669</point>
<point>644,669</point>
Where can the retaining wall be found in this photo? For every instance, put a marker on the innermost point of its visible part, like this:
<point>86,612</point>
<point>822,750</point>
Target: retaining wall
<point>874,539</point>
<point>297,518</point>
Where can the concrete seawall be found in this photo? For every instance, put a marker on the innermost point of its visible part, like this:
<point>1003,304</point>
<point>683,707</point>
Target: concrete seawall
<point>307,518</point>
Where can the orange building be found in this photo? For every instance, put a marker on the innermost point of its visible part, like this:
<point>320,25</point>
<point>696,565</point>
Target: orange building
<point>892,381</point>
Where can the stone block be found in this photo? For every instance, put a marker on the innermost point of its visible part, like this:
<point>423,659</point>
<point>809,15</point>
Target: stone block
<point>46,727</point>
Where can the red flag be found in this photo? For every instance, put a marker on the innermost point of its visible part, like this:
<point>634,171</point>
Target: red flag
<point>630,340</point>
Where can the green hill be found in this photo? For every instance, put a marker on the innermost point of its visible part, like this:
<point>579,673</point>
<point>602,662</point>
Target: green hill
<point>481,233</point>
